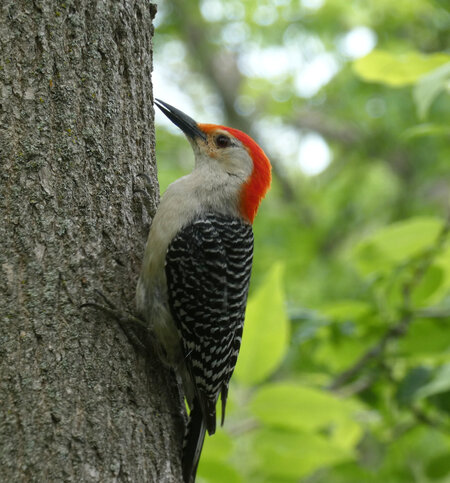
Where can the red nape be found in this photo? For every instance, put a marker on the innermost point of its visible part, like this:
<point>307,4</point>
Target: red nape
<point>257,185</point>
<point>259,182</point>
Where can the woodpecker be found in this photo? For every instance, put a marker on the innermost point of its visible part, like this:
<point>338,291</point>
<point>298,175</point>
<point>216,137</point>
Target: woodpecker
<point>193,286</point>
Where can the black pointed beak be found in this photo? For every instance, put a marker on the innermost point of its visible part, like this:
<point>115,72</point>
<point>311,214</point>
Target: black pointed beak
<point>180,119</point>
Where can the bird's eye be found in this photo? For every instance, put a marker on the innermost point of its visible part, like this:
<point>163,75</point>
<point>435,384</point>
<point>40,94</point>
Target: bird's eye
<point>223,141</point>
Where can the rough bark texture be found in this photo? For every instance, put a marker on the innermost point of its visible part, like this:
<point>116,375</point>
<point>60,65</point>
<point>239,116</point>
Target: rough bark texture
<point>77,402</point>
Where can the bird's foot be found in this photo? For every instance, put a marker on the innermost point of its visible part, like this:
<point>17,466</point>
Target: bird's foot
<point>127,321</point>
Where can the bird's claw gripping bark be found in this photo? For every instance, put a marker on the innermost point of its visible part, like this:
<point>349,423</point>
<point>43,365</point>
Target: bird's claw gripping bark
<point>128,322</point>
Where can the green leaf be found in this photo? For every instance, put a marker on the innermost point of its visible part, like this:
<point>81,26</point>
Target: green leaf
<point>428,285</point>
<point>439,466</point>
<point>295,454</point>
<point>338,352</point>
<point>212,471</point>
<point>266,331</point>
<point>425,339</point>
<point>292,406</point>
<point>443,262</point>
<point>414,380</point>
<point>396,243</point>
<point>346,434</point>
<point>397,69</point>
<point>217,448</point>
<point>426,129</point>
<point>429,87</point>
<point>440,383</point>
<point>410,451</point>
<point>344,310</point>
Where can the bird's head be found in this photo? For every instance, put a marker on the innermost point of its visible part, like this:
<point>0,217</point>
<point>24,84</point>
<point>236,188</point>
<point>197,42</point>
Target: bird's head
<point>230,151</point>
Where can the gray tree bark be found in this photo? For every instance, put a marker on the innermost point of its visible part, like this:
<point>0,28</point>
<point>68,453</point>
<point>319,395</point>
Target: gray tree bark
<point>77,401</point>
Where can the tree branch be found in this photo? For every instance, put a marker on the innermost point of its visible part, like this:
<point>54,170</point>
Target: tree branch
<point>401,328</point>
<point>374,352</point>
<point>331,129</point>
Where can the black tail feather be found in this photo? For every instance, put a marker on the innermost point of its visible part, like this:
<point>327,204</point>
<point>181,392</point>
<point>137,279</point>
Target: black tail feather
<point>224,396</point>
<point>193,442</point>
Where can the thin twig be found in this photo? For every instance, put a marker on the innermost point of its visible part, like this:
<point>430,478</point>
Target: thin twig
<point>374,352</point>
<point>417,412</point>
<point>399,329</point>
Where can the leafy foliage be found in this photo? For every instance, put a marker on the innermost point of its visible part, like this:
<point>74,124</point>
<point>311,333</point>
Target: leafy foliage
<point>397,70</point>
<point>265,340</point>
<point>344,371</point>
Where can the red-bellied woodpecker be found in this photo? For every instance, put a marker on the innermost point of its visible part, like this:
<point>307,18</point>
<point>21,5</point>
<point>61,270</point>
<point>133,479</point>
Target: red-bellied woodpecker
<point>193,286</point>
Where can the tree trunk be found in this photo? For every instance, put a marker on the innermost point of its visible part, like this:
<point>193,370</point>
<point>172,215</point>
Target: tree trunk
<point>77,402</point>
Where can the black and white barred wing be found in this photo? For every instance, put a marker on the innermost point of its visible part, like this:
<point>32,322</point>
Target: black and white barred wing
<point>208,267</point>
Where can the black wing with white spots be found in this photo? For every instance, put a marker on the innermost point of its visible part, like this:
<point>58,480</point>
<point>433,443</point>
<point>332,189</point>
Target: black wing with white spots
<point>208,266</point>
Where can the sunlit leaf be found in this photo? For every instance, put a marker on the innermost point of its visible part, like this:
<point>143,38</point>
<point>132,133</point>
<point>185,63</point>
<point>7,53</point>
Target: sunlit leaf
<point>346,434</point>
<point>396,243</point>
<point>266,331</point>
<point>212,471</point>
<point>218,447</point>
<point>337,353</point>
<point>425,338</point>
<point>443,262</point>
<point>397,69</point>
<point>343,310</point>
<point>295,454</point>
<point>439,383</point>
<point>429,87</point>
<point>298,407</point>
<point>427,129</point>
<point>428,285</point>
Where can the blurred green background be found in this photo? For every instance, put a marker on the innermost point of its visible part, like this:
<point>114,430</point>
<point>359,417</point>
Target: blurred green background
<point>344,373</point>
